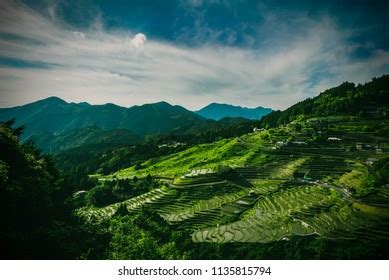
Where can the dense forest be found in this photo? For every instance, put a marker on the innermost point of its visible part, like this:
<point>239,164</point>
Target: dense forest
<point>365,100</point>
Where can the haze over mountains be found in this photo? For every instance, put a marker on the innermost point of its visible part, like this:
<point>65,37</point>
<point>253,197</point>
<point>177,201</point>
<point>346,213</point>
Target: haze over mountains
<point>55,116</point>
<point>86,136</point>
<point>217,111</point>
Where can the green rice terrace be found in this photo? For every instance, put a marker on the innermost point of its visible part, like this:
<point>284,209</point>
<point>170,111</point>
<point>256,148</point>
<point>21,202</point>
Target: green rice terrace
<point>321,176</point>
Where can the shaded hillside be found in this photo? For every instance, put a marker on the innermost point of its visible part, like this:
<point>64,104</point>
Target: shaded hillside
<point>54,115</point>
<point>105,157</point>
<point>87,136</point>
<point>212,126</point>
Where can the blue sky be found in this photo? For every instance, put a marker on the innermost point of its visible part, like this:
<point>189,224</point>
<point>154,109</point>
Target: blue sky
<point>188,52</point>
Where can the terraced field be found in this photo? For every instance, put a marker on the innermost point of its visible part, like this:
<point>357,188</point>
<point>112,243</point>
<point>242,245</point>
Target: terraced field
<point>93,214</point>
<point>301,210</point>
<point>267,200</point>
<point>264,211</point>
<point>227,152</point>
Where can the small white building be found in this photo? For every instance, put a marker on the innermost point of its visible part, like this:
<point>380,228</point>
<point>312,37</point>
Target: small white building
<point>333,139</point>
<point>256,129</point>
<point>171,145</point>
<point>280,143</point>
<point>371,161</point>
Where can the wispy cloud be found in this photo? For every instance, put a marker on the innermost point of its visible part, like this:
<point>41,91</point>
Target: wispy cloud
<point>100,66</point>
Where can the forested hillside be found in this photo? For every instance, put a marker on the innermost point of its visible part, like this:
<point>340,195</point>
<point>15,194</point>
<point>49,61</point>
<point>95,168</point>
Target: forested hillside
<point>84,137</point>
<point>368,100</point>
<point>53,115</point>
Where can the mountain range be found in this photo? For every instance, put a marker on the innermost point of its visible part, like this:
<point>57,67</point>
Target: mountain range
<point>54,116</point>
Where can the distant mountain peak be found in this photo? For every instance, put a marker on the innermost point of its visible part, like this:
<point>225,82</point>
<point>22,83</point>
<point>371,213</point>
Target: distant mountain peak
<point>163,103</point>
<point>111,105</point>
<point>217,111</point>
<point>52,100</point>
<point>84,103</point>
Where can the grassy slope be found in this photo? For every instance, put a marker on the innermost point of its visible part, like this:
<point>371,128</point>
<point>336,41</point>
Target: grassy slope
<point>227,152</point>
<point>254,150</point>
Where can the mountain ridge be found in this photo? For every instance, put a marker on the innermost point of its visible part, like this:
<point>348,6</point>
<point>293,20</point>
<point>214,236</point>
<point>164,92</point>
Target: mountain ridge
<point>218,111</point>
<point>54,115</point>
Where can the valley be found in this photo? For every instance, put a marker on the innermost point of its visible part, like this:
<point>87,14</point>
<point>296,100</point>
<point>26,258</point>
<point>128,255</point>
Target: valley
<point>270,185</point>
<point>309,182</point>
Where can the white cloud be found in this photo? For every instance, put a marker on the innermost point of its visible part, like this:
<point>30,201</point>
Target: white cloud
<point>139,41</point>
<point>102,66</point>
